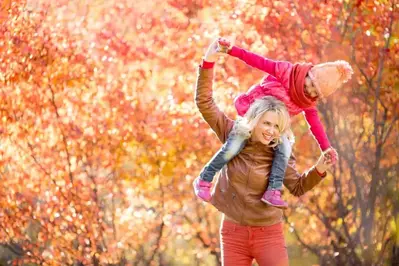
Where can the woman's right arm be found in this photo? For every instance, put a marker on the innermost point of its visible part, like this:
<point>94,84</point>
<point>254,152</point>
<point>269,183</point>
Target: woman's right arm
<point>210,112</point>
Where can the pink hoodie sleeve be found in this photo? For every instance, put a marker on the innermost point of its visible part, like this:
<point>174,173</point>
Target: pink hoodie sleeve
<point>316,127</point>
<point>254,60</point>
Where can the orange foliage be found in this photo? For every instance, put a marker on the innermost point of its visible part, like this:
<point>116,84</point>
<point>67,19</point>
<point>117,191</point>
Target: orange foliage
<point>100,138</point>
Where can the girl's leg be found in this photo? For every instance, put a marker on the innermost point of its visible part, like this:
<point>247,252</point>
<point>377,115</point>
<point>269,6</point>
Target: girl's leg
<point>282,154</point>
<point>234,144</point>
<point>280,162</point>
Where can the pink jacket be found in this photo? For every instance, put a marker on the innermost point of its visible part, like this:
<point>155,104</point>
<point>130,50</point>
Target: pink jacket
<point>277,84</point>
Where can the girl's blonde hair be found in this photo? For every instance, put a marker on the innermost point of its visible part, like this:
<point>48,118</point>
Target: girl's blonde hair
<point>247,123</point>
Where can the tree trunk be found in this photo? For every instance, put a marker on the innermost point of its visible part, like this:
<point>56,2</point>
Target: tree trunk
<point>395,255</point>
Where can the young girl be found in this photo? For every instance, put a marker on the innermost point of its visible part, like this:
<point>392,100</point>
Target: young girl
<point>299,86</point>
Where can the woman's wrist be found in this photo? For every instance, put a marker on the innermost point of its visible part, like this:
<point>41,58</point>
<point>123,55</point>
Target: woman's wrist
<point>321,173</point>
<point>207,64</point>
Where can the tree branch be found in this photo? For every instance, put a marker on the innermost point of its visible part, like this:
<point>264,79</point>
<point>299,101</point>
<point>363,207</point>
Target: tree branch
<point>313,249</point>
<point>62,133</point>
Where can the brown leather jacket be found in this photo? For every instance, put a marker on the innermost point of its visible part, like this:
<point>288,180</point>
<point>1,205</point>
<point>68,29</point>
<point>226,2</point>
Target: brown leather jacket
<point>242,183</point>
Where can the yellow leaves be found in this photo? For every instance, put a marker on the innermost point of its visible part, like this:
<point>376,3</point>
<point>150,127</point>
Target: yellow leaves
<point>394,224</point>
<point>339,222</point>
<point>5,6</point>
<point>168,169</point>
<point>74,83</point>
<point>305,36</point>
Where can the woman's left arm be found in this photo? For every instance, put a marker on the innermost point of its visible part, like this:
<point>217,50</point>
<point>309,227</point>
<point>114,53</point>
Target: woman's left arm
<point>298,184</point>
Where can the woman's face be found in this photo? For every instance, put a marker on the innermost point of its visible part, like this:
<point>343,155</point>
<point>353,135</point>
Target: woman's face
<point>266,129</point>
<point>310,89</point>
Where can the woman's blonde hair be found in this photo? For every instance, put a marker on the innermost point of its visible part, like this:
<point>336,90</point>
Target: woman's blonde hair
<point>247,123</point>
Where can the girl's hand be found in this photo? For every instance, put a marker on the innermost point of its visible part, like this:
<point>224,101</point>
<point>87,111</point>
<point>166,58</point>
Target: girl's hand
<point>224,45</point>
<point>326,160</point>
<point>211,53</point>
<point>332,155</point>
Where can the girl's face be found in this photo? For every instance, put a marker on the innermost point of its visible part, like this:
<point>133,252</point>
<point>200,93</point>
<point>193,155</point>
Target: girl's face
<point>310,89</point>
<point>266,129</point>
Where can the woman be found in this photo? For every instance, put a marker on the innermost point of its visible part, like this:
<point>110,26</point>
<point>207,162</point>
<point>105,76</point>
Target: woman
<point>299,86</point>
<point>250,229</point>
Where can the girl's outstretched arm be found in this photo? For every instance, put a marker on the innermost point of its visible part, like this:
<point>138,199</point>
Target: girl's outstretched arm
<point>254,60</point>
<point>317,128</point>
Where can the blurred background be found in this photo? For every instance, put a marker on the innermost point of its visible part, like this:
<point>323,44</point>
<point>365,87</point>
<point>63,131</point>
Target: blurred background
<point>100,138</point>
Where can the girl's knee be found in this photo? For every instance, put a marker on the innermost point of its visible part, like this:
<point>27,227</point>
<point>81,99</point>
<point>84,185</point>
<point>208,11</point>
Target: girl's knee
<point>228,155</point>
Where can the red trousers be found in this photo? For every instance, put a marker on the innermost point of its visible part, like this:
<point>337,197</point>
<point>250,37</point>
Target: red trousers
<point>240,245</point>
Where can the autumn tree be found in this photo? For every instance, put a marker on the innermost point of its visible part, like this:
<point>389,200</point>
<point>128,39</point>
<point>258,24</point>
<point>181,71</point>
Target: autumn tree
<point>101,139</point>
<point>352,216</point>
<point>85,130</point>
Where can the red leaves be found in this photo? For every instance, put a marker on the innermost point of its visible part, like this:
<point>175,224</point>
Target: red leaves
<point>111,99</point>
<point>113,43</point>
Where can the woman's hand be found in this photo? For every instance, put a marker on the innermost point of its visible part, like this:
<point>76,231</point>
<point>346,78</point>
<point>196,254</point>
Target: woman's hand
<point>211,53</point>
<point>326,160</point>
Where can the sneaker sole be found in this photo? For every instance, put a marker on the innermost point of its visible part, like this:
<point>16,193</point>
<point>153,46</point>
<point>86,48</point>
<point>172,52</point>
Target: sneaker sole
<point>271,204</point>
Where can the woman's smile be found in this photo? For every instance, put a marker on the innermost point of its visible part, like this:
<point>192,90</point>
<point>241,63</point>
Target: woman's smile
<point>268,137</point>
